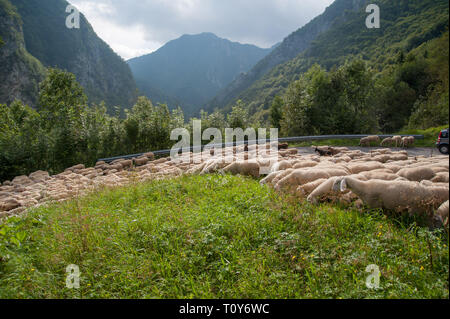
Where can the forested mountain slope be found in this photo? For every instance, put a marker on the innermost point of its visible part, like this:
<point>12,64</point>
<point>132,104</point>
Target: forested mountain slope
<point>405,25</point>
<point>20,73</point>
<point>104,75</point>
<point>190,70</point>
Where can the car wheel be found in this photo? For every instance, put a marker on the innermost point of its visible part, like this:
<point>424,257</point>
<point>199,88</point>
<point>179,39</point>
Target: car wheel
<point>443,149</point>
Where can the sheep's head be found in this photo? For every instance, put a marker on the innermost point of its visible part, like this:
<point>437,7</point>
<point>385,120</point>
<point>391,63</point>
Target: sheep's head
<point>340,185</point>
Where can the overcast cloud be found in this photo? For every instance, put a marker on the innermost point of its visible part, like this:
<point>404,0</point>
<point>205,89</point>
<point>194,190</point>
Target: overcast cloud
<point>136,27</point>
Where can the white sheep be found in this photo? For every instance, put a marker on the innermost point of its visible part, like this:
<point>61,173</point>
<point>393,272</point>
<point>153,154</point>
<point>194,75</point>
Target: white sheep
<point>395,195</point>
<point>301,177</point>
<point>305,190</point>
<point>388,142</point>
<point>417,174</point>
<point>442,213</point>
<point>245,168</point>
<point>398,140</point>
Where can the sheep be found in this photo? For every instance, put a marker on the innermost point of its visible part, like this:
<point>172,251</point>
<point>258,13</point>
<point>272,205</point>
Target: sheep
<point>442,213</point>
<point>379,175</point>
<point>304,176</point>
<point>374,139</point>
<point>39,176</point>
<point>322,152</point>
<point>384,151</point>
<point>305,164</point>
<point>246,168</point>
<point>408,141</point>
<point>441,178</point>
<point>398,140</point>
<point>395,195</point>
<point>215,165</point>
<point>369,166</point>
<point>388,142</point>
<point>432,184</point>
<point>140,161</point>
<point>22,180</point>
<point>9,204</point>
<point>304,190</point>
<point>365,141</point>
<point>280,166</point>
<point>439,169</point>
<point>281,175</point>
<point>283,146</point>
<point>76,167</point>
<point>326,188</point>
<point>417,174</point>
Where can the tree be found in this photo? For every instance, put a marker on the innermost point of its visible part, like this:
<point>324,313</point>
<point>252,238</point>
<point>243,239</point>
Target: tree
<point>61,98</point>
<point>276,112</point>
<point>335,102</point>
<point>238,118</point>
<point>62,105</point>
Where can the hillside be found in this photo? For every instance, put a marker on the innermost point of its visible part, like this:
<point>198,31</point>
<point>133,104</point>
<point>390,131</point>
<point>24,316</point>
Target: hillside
<point>20,72</point>
<point>103,74</point>
<point>190,70</point>
<point>405,26</point>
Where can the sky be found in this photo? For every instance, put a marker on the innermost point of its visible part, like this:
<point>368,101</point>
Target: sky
<point>137,27</point>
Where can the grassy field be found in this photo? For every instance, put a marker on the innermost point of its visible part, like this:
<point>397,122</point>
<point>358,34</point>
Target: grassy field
<point>216,237</point>
<point>430,138</point>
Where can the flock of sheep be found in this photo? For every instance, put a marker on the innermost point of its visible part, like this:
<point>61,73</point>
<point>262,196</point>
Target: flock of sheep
<point>382,178</point>
<point>395,141</point>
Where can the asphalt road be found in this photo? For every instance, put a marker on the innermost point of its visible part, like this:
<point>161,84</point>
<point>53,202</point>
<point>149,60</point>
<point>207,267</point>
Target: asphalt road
<point>417,151</point>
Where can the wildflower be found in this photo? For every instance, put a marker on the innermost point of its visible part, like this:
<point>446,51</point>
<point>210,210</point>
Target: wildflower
<point>293,257</point>
<point>421,268</point>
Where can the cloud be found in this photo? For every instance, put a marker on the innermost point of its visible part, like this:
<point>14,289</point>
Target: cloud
<point>136,27</point>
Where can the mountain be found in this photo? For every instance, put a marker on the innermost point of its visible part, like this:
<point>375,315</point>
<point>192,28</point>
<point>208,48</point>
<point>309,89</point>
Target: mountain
<point>190,70</point>
<point>103,74</point>
<point>291,46</point>
<point>405,25</point>
<point>20,72</point>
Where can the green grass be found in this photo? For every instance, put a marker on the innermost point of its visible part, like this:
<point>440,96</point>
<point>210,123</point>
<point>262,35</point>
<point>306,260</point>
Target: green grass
<point>215,237</point>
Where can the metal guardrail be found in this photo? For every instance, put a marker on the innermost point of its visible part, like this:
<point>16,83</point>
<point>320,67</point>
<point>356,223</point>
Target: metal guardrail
<point>281,140</point>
